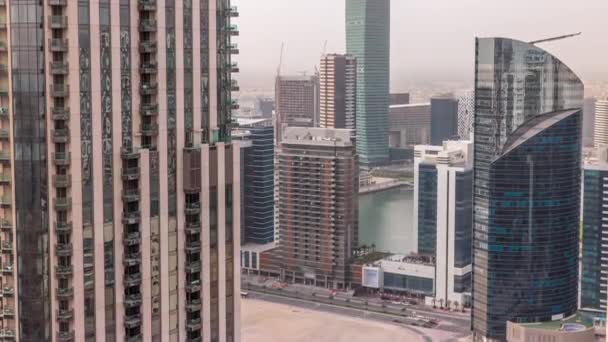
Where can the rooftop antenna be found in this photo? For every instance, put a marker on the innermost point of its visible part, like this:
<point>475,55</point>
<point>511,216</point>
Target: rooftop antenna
<point>556,38</point>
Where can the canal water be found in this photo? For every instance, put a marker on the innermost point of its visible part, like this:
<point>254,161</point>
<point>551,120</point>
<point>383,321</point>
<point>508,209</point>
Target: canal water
<point>385,219</point>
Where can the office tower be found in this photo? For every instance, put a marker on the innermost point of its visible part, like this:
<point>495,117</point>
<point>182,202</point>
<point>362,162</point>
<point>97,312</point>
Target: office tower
<point>410,125</point>
<point>589,121</point>
<point>594,268</point>
<point>528,122</point>
<point>443,215</point>
<point>338,81</point>
<point>444,119</point>
<point>120,199</point>
<point>318,205</point>
<point>296,102</point>
<point>399,99</point>
<point>600,136</point>
<point>264,106</point>
<point>368,40</point>
<point>466,110</point>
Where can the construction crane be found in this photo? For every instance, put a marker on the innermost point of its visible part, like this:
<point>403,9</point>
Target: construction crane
<point>280,59</point>
<point>556,38</point>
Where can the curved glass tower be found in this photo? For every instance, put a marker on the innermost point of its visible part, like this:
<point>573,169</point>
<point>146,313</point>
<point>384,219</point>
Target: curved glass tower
<point>527,187</point>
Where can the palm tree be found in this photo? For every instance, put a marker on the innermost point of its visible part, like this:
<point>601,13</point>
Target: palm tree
<point>441,303</point>
<point>448,304</point>
<point>456,305</point>
<point>434,303</point>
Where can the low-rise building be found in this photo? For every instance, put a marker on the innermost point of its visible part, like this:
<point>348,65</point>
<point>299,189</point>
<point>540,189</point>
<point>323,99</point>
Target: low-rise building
<point>572,329</point>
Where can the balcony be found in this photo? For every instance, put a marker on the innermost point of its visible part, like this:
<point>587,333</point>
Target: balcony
<point>58,2</point>
<point>193,324</point>
<point>60,113</point>
<point>193,286</point>
<point>234,49</point>
<point>61,135</point>
<point>7,334</point>
<point>234,68</point>
<point>130,173</point>
<point>131,239</point>
<point>65,315</point>
<point>63,270</point>
<point>3,112</point>
<point>130,195</point>
<point>148,89</point>
<point>58,21</point>
<point>132,259</point>
<point>193,228</point>
<point>233,12</point>
<point>62,203</point>
<point>132,279</point>
<point>60,90</point>
<point>147,25</point>
<point>148,68</point>
<point>7,312</point>
<point>233,30</point>
<point>5,201</point>
<point>58,68</point>
<point>147,5</point>
<point>193,246</point>
<point>61,158</point>
<point>7,269</point>
<point>63,227</point>
<point>6,225</point>
<point>3,24</point>
<point>4,91</point>
<point>7,247</point>
<point>58,44</point>
<point>234,85</point>
<point>148,109</point>
<point>133,300</point>
<point>65,292</point>
<point>4,134</point>
<point>194,305</point>
<point>129,153</point>
<point>132,321</point>
<point>3,46</point>
<point>63,249</point>
<point>5,157</point>
<point>8,291</point>
<point>130,217</point>
<point>62,181</point>
<point>149,129</point>
<point>147,46</point>
<point>193,208</point>
<point>65,336</point>
<point>192,267</point>
<point>234,104</point>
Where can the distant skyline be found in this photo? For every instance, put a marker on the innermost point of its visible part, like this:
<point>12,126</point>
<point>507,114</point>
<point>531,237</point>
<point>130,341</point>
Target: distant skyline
<point>431,40</point>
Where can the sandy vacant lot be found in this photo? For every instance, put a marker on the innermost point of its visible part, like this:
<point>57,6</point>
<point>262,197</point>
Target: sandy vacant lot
<point>269,322</point>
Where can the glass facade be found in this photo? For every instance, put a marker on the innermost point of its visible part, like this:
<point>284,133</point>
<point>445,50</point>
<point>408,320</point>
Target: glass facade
<point>259,187</point>
<point>427,209</point>
<point>395,281</point>
<point>463,219</point>
<point>526,186</point>
<point>368,39</point>
<point>593,288</point>
<point>444,120</point>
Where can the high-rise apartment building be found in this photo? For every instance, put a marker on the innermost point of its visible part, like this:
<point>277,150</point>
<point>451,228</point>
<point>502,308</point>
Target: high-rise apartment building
<point>368,40</point>
<point>528,123</point>
<point>318,177</point>
<point>399,98</point>
<point>443,215</point>
<point>589,121</point>
<point>338,81</point>
<point>264,106</point>
<point>120,187</point>
<point>444,119</point>
<point>296,102</point>
<point>594,250</point>
<point>600,137</point>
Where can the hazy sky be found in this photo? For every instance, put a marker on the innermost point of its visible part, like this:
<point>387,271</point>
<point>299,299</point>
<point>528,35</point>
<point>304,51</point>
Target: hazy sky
<point>430,39</point>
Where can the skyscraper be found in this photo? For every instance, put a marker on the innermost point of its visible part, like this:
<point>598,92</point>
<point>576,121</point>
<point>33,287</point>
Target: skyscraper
<point>410,125</point>
<point>296,102</point>
<point>600,136</point>
<point>594,250</point>
<point>443,215</point>
<point>337,79</point>
<point>589,121</point>
<point>444,119</point>
<point>318,205</point>
<point>466,111</point>
<point>528,122</point>
<point>368,40</point>
<point>120,193</point>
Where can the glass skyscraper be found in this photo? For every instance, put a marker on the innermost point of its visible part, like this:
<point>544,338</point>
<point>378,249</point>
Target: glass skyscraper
<point>368,39</point>
<point>528,122</point>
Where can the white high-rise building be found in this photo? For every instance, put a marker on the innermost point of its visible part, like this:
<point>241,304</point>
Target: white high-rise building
<point>443,215</point>
<point>600,136</point>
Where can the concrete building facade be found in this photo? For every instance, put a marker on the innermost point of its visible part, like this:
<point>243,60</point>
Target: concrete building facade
<point>296,102</point>
<point>466,111</point>
<point>410,125</point>
<point>120,187</point>
<point>318,207</point>
<point>443,215</point>
<point>338,90</point>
